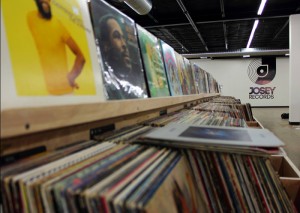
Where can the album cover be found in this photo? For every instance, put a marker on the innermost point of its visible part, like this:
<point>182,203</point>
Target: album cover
<point>206,83</point>
<point>203,81</point>
<point>199,78</point>
<point>153,63</point>
<point>181,74</point>
<point>210,82</point>
<point>181,134</point>
<point>196,72</point>
<point>118,52</point>
<point>171,69</point>
<point>51,58</point>
<point>189,75</point>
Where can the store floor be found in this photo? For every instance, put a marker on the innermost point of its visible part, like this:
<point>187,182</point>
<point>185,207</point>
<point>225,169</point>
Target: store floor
<point>270,118</point>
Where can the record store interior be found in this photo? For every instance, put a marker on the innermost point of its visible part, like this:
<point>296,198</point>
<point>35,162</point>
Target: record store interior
<point>150,106</point>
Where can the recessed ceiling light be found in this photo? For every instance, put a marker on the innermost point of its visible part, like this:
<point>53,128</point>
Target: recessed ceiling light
<point>246,56</point>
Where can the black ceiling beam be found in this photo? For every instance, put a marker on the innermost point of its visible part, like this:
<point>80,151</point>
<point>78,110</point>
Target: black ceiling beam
<point>217,21</point>
<point>166,31</point>
<point>281,29</point>
<point>151,17</point>
<point>224,24</point>
<point>186,13</point>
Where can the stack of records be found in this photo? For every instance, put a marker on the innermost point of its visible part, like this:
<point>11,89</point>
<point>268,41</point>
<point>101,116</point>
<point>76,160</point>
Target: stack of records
<point>197,117</point>
<point>237,183</point>
<point>226,99</point>
<point>136,178</point>
<point>242,111</point>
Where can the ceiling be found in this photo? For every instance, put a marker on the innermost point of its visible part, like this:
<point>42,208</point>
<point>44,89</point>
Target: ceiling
<point>219,25</point>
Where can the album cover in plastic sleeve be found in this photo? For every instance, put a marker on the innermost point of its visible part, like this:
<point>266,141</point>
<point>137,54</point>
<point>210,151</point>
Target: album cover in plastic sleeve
<point>189,75</point>
<point>206,82</point>
<point>200,78</point>
<point>203,81</point>
<point>171,69</point>
<point>48,54</point>
<point>181,74</point>
<point>153,63</point>
<point>118,52</point>
<point>214,135</point>
<point>211,83</point>
<point>196,71</point>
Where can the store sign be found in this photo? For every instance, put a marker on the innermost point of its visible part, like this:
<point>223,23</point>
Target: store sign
<point>262,71</point>
<point>261,92</point>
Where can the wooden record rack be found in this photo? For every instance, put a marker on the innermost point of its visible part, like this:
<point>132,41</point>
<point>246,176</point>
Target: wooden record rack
<point>54,127</point>
<point>288,173</point>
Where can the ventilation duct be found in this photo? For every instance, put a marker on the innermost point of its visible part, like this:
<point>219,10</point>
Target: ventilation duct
<point>141,7</point>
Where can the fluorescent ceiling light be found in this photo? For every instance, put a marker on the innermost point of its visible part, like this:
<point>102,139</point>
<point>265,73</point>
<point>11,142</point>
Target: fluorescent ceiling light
<point>261,7</point>
<point>246,56</point>
<point>252,33</point>
<point>287,54</point>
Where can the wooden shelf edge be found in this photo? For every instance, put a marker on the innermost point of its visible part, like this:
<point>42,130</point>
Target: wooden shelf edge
<point>23,121</point>
<point>261,126</point>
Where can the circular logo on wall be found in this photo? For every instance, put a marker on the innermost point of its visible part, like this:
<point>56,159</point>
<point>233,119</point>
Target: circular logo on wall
<point>262,71</point>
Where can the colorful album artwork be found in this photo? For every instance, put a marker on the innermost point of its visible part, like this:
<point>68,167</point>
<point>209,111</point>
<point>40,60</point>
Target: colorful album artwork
<point>210,81</point>
<point>189,75</point>
<point>203,83</point>
<point>171,68</point>
<point>196,71</point>
<point>181,74</point>
<point>200,78</point>
<point>206,81</point>
<point>48,53</point>
<point>116,38</point>
<point>153,63</point>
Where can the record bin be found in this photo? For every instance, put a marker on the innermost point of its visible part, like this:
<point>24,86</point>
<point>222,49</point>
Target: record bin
<point>289,175</point>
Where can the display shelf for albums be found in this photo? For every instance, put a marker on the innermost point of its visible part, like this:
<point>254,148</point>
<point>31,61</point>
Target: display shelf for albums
<point>27,128</point>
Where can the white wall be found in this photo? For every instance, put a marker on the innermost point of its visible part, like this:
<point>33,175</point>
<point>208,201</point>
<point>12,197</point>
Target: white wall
<point>294,110</point>
<point>232,75</point>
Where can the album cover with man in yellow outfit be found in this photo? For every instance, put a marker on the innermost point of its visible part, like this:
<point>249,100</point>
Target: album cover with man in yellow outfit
<point>48,43</point>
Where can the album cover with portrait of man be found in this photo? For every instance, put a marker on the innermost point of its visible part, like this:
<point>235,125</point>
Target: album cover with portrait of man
<point>118,52</point>
<point>153,63</point>
<point>48,54</point>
